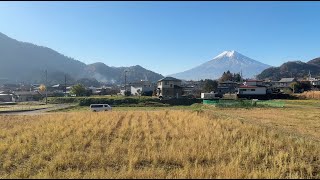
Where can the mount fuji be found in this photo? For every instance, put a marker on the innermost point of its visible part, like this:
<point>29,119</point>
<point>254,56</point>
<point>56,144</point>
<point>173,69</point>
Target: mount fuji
<point>227,60</point>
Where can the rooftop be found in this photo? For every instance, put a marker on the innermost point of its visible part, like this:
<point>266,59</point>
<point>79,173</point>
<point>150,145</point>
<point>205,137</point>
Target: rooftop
<point>253,80</point>
<point>286,80</point>
<point>248,86</point>
<point>169,79</point>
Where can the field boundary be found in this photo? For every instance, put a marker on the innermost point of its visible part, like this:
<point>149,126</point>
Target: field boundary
<point>22,110</point>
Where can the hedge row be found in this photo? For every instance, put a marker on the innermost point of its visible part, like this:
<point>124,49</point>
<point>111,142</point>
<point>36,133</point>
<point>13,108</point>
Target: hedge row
<point>62,100</point>
<point>181,101</point>
<point>115,101</point>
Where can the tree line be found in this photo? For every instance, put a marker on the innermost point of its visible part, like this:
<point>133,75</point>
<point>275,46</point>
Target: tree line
<point>212,85</point>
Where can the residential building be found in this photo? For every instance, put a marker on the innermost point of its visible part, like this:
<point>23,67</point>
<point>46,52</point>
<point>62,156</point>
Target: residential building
<point>142,87</point>
<point>192,88</point>
<point>227,87</point>
<point>252,88</point>
<point>285,82</point>
<point>27,96</point>
<point>169,87</point>
<point>4,97</point>
<point>315,82</point>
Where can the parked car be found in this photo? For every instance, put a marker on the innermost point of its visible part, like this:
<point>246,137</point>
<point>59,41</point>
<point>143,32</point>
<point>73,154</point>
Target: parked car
<point>100,107</point>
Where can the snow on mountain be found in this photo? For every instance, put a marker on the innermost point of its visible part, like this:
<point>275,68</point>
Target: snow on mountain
<point>227,60</point>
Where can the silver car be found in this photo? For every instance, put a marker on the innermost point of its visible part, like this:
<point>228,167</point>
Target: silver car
<point>100,107</point>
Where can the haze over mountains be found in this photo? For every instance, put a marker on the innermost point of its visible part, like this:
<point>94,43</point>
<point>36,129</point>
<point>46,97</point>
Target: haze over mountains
<point>26,62</point>
<point>227,60</point>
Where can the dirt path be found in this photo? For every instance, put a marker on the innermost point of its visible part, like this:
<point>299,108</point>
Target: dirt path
<point>39,111</point>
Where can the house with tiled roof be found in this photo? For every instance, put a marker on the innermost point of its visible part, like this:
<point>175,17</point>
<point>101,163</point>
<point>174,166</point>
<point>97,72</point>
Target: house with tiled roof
<point>285,82</point>
<point>227,87</point>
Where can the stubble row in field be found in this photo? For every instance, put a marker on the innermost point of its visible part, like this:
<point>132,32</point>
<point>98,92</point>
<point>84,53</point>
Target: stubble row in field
<point>154,144</point>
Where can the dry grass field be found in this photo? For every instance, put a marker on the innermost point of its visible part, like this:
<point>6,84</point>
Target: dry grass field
<point>218,143</point>
<point>310,95</point>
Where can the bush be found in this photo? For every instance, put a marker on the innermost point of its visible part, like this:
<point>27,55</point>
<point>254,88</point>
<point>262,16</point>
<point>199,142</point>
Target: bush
<point>115,101</point>
<point>62,100</point>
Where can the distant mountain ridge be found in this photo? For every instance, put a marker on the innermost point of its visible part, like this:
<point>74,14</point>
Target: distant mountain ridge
<point>26,62</point>
<point>104,73</point>
<point>296,69</point>
<point>227,60</point>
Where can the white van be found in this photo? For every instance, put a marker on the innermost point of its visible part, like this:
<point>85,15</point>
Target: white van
<point>100,107</point>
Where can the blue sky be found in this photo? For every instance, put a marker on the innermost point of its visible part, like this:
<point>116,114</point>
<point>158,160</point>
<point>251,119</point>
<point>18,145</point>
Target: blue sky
<point>167,37</point>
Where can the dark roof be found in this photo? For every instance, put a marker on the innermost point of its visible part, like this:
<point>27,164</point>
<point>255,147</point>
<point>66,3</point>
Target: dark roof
<point>253,80</point>
<point>246,86</point>
<point>169,79</point>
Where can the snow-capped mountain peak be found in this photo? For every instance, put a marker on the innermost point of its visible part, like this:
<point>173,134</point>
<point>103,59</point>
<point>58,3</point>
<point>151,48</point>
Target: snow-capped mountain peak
<point>226,54</point>
<point>227,60</point>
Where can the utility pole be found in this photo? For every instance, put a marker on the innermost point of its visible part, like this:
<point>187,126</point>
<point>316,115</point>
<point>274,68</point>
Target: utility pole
<point>125,82</point>
<point>293,88</point>
<point>65,84</point>
<point>46,87</point>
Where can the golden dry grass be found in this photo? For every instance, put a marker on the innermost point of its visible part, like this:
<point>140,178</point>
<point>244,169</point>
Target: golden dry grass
<point>153,144</point>
<point>310,94</point>
<point>299,121</point>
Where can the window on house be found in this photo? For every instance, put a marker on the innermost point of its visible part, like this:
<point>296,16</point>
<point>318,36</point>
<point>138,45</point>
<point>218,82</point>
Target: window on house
<point>253,90</point>
<point>170,85</point>
<point>166,83</point>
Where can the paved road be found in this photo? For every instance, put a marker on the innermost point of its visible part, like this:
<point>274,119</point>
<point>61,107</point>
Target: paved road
<point>34,112</point>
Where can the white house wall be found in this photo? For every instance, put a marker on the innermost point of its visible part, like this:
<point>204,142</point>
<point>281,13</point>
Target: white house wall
<point>162,84</point>
<point>134,90</point>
